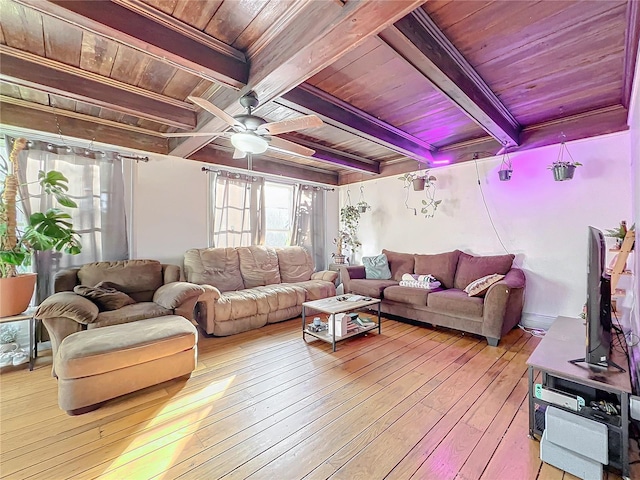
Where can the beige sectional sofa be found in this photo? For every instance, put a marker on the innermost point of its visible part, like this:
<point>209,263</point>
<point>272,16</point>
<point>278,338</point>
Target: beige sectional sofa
<point>491,315</point>
<point>248,287</point>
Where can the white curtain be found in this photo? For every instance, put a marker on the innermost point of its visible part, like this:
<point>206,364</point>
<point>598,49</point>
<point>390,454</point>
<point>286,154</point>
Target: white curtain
<point>309,222</point>
<point>238,210</point>
<point>96,184</point>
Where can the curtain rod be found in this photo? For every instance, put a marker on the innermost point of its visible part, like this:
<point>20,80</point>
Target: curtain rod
<point>211,170</point>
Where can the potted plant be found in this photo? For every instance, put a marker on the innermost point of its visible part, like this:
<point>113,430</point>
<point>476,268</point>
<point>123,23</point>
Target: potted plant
<point>563,170</point>
<point>347,236</point>
<point>506,169</point>
<point>417,181</point>
<point>50,230</point>
<point>619,233</point>
<point>428,185</point>
<point>363,206</point>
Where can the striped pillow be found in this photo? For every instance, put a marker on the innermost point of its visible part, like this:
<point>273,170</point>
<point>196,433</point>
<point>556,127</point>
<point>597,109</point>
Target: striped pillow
<point>480,286</point>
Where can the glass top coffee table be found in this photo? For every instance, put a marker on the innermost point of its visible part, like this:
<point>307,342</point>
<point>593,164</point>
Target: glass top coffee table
<point>339,304</point>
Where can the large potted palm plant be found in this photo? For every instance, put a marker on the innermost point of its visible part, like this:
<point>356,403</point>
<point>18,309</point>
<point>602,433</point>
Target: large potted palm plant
<point>50,230</point>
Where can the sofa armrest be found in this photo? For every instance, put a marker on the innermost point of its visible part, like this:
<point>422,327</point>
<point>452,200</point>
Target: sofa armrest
<point>206,308</point>
<point>68,305</point>
<point>327,275</point>
<point>174,294</point>
<point>65,313</point>
<point>503,304</point>
<point>351,272</point>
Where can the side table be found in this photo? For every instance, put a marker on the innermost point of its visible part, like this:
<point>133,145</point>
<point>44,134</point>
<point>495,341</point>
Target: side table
<point>28,314</point>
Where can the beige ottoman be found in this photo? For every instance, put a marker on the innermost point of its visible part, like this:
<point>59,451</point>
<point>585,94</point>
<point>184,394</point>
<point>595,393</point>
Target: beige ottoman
<point>103,363</point>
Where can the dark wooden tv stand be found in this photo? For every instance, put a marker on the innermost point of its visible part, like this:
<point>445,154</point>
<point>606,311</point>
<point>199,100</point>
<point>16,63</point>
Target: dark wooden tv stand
<point>565,341</point>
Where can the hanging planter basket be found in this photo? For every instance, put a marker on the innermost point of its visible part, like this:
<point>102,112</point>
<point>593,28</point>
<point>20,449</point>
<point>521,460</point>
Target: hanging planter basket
<point>506,170</point>
<point>505,175</point>
<point>563,172</point>
<point>418,183</point>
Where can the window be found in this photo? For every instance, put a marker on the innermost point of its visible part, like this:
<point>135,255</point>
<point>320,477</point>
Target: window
<point>278,204</point>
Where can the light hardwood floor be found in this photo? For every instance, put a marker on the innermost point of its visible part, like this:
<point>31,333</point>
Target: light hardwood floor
<point>413,402</point>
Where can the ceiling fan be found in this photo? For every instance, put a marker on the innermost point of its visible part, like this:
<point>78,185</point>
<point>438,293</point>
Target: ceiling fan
<point>252,134</point>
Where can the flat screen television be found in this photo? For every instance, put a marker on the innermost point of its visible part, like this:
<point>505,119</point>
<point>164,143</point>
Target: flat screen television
<point>598,307</point>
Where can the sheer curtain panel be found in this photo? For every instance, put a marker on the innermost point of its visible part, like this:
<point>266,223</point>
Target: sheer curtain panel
<point>96,184</point>
<point>238,210</point>
<point>309,222</point>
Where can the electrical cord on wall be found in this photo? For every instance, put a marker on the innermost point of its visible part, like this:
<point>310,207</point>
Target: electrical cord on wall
<point>484,201</point>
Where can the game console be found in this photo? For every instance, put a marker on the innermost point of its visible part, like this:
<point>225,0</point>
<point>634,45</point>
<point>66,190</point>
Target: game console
<point>556,397</point>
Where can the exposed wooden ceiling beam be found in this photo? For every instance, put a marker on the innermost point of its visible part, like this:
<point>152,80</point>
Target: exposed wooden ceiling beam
<point>29,70</point>
<point>632,38</point>
<point>221,156</point>
<point>308,99</point>
<point>336,157</point>
<point>419,41</point>
<point>576,127</point>
<point>322,33</point>
<point>34,116</point>
<point>171,42</point>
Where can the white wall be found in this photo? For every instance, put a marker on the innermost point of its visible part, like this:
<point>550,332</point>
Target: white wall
<point>169,208</point>
<point>542,221</point>
<point>170,196</point>
<point>634,298</point>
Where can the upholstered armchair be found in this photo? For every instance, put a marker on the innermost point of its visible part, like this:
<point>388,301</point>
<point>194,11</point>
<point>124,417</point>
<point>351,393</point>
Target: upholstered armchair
<point>110,293</point>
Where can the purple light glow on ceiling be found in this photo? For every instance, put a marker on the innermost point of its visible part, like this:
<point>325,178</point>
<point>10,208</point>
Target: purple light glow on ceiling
<point>441,162</point>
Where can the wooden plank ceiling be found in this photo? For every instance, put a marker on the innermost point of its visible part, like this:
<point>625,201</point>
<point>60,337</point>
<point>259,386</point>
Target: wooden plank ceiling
<point>394,82</point>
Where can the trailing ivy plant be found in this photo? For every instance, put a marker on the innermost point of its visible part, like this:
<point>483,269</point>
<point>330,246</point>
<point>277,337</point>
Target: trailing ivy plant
<point>349,220</point>
<point>429,204</point>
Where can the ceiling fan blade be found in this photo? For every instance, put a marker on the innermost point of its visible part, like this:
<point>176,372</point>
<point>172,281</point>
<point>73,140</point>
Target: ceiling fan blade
<point>284,126</point>
<point>192,134</point>
<point>239,154</point>
<point>211,108</point>
<point>282,144</point>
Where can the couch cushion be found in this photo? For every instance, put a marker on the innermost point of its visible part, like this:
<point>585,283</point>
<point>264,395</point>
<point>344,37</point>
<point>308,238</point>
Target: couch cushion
<point>105,296</point>
<point>281,296</point>
<point>399,263</point>
<point>137,278</point>
<point>130,313</point>
<point>456,302</point>
<point>479,287</point>
<point>218,267</point>
<point>317,289</point>
<point>296,264</point>
<point>259,266</point>
<point>93,352</point>
<point>441,265</point>
<point>471,268</point>
<point>377,267</point>
<point>241,304</point>
<point>408,295</point>
<point>370,288</point>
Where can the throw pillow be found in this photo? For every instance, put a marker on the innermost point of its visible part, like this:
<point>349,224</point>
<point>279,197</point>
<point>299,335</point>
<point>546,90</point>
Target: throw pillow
<point>105,295</point>
<point>480,286</point>
<point>377,267</point>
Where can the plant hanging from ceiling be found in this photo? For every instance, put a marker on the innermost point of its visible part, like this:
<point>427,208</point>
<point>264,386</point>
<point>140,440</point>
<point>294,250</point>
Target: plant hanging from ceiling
<point>348,233</point>
<point>421,182</point>
<point>564,168</point>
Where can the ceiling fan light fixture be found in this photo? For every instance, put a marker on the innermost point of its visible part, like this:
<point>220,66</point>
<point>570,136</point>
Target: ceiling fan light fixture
<point>249,142</point>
